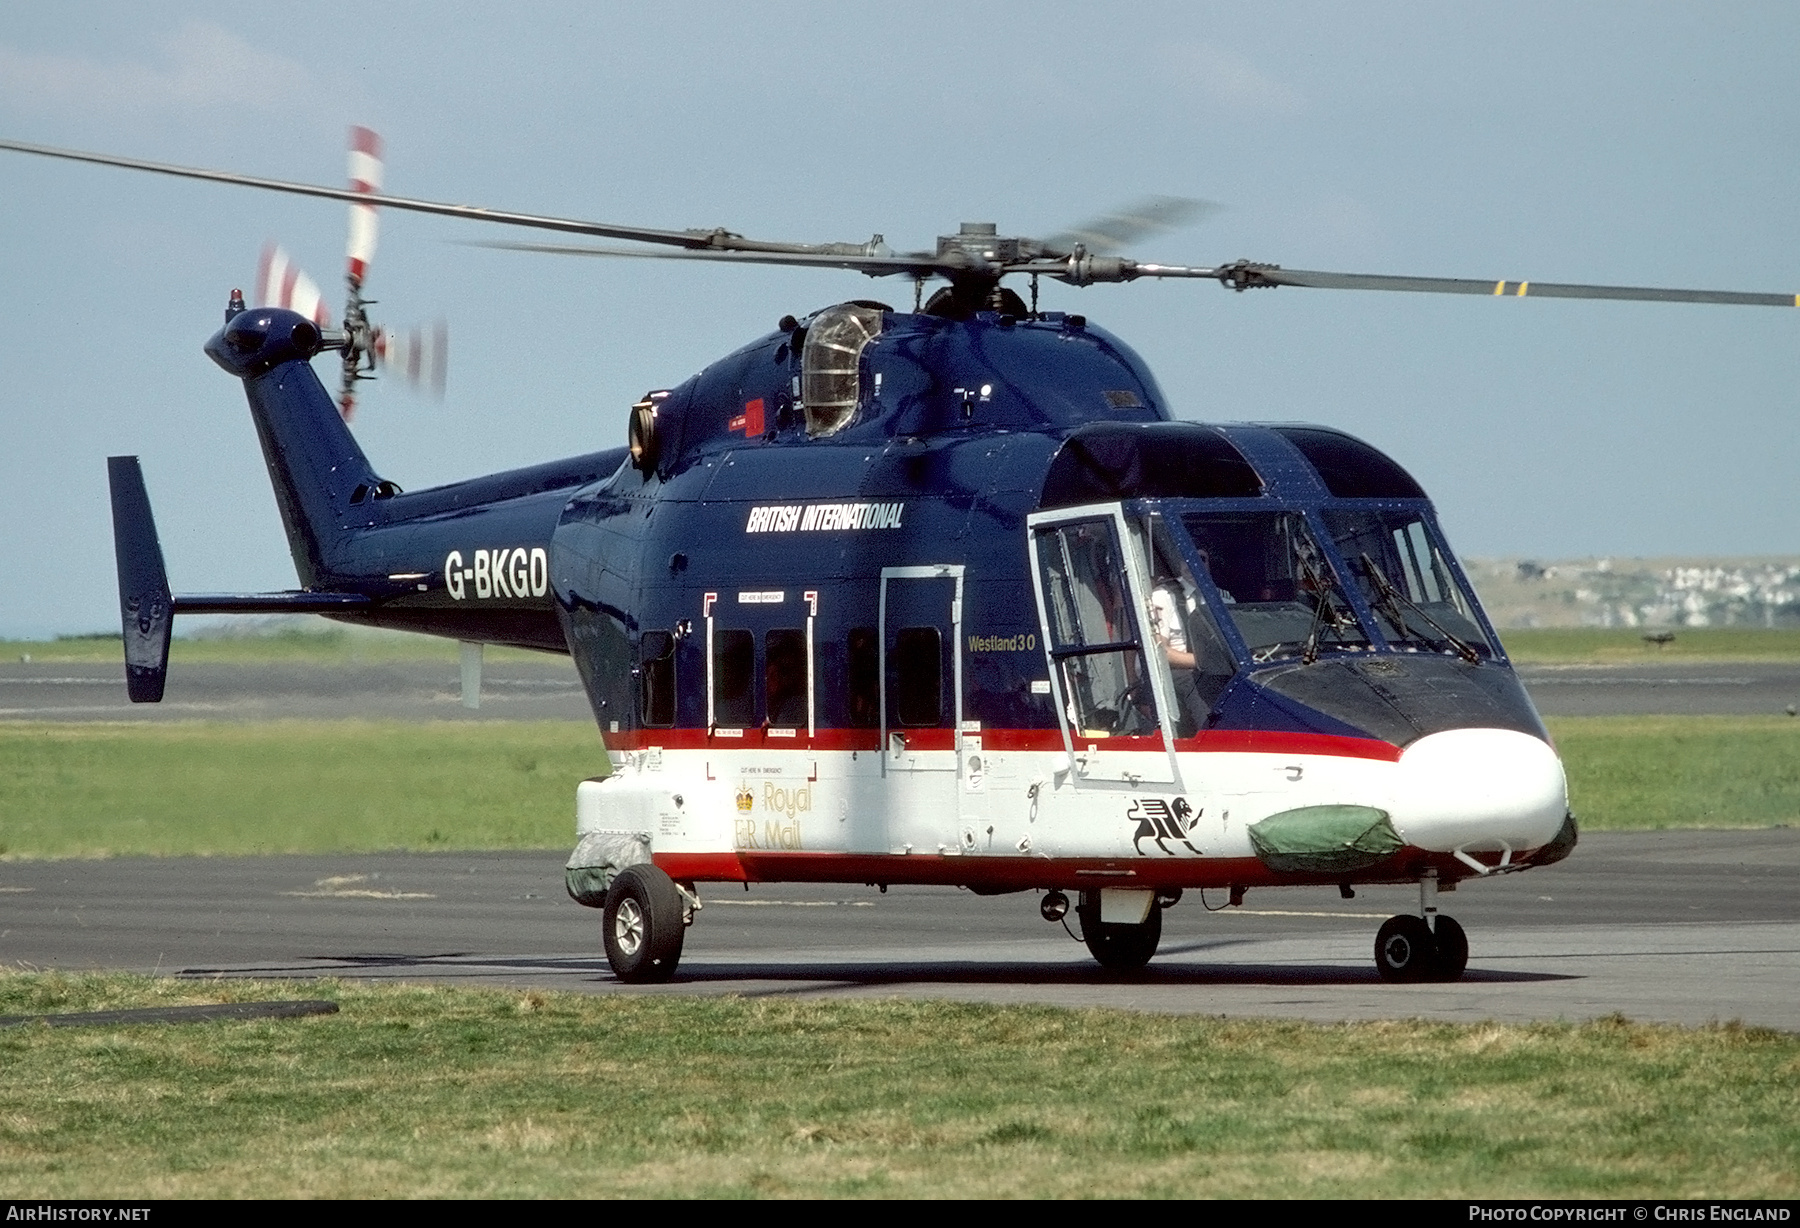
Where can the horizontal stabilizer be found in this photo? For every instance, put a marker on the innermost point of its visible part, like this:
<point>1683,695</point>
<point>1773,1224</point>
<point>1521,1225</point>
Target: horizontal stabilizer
<point>291,602</point>
<point>146,607</point>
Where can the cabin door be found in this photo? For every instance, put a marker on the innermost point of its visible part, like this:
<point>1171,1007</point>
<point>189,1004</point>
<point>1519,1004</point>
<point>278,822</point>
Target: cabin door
<point>1112,690</point>
<point>921,668</point>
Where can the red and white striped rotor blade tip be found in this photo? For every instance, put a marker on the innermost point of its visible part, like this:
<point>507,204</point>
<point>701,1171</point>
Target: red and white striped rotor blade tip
<point>365,176</point>
<point>281,283</point>
<point>420,355</point>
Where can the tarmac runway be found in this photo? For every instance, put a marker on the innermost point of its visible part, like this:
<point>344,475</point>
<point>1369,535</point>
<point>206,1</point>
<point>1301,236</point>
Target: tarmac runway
<point>535,690</point>
<point>1728,688</point>
<point>549,689</point>
<point>1680,927</point>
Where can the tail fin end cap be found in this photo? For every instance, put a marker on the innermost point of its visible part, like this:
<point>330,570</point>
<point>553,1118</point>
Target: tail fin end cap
<point>257,341</point>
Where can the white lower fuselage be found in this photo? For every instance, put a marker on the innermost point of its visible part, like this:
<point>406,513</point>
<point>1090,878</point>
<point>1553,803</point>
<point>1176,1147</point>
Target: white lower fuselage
<point>988,813</point>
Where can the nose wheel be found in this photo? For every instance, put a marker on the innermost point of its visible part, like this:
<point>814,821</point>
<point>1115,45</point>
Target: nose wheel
<point>1428,947</point>
<point>1407,948</point>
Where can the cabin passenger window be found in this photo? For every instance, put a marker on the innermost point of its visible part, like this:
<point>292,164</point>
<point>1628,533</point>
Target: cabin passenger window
<point>787,689</point>
<point>917,681</point>
<point>734,671</point>
<point>862,679</point>
<point>656,679</point>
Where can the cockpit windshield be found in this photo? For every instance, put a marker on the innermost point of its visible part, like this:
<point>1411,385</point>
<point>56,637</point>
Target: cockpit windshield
<point>1275,583</point>
<point>1405,580</point>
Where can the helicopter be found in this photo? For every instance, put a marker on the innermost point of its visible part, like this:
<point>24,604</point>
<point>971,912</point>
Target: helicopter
<point>943,596</point>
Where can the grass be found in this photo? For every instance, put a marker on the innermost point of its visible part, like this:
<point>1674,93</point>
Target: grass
<point>1626,646</point>
<point>434,1092</point>
<point>1653,772</point>
<point>96,790</point>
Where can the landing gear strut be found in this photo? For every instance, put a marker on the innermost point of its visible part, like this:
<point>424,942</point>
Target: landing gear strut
<point>1429,947</point>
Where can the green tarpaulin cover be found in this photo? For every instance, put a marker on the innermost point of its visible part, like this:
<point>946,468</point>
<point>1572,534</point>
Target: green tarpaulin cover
<point>1324,839</point>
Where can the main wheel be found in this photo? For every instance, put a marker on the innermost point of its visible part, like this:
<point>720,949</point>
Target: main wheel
<point>1120,948</point>
<point>1450,950</point>
<point>642,925</point>
<point>1404,949</point>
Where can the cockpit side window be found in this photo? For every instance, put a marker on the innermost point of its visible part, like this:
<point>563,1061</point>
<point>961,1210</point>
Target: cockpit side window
<point>830,365</point>
<point>1200,664</point>
<point>1093,632</point>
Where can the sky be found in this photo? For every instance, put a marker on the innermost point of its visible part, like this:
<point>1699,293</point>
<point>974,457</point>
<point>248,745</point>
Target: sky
<point>1634,143</point>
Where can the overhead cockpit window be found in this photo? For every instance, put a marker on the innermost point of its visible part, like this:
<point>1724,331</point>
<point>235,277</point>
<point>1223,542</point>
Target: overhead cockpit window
<point>1147,461</point>
<point>1350,468</point>
<point>830,365</point>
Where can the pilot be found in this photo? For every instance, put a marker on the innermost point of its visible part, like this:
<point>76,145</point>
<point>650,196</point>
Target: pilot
<point>1169,610</point>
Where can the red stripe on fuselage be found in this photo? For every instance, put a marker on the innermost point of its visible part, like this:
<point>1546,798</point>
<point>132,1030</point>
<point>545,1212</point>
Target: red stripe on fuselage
<point>1275,742</point>
<point>1026,873</point>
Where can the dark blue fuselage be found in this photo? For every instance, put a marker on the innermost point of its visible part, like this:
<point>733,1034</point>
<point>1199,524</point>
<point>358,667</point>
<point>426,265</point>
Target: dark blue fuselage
<point>746,520</point>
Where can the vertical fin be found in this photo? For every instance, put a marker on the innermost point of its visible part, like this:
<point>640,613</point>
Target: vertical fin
<point>318,472</point>
<point>145,609</point>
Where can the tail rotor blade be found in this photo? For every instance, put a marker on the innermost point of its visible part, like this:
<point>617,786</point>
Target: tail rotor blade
<point>282,283</point>
<point>437,371</point>
<point>420,355</point>
<point>365,179</point>
<point>362,340</point>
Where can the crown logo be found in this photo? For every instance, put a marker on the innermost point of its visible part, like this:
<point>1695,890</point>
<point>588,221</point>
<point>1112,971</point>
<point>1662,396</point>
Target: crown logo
<point>745,799</point>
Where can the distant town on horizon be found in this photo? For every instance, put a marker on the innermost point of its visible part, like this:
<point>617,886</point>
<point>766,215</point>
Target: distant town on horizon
<point>1675,591</point>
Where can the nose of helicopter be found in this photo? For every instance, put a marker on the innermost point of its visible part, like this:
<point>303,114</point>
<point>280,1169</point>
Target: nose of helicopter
<point>1476,789</point>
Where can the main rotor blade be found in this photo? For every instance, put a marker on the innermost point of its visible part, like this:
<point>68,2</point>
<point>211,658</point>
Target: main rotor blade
<point>717,239</point>
<point>1245,276</point>
<point>875,266</point>
<point>1112,232</point>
